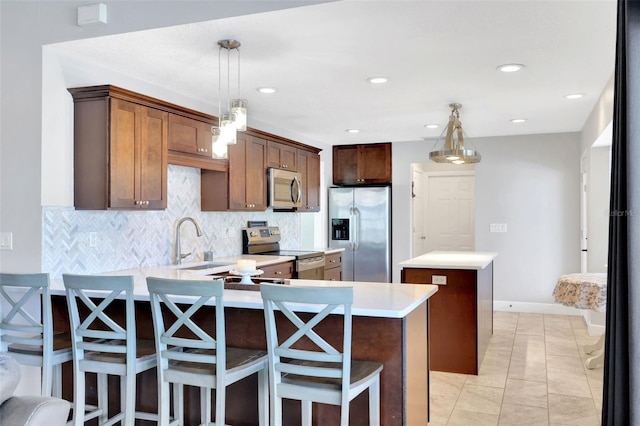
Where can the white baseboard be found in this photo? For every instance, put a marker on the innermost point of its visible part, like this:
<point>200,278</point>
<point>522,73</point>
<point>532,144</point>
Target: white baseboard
<point>549,308</point>
<point>535,308</point>
<point>595,330</point>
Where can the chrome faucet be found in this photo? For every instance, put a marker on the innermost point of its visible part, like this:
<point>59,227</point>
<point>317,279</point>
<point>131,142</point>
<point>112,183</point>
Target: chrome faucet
<point>178,255</point>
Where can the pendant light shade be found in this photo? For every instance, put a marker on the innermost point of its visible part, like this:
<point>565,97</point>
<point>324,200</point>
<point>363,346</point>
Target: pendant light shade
<point>228,128</point>
<point>451,149</point>
<point>218,147</point>
<point>239,108</point>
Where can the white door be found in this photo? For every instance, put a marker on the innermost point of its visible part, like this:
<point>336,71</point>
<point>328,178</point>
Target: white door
<point>450,213</point>
<point>418,236</point>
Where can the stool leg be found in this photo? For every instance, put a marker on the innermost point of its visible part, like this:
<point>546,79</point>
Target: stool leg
<point>129,406</point>
<point>47,374</point>
<point>163,402</point>
<point>56,384</point>
<point>306,413</point>
<point>103,398</point>
<point>205,405</point>
<point>78,398</point>
<point>374,403</point>
<point>263,397</point>
<point>178,403</point>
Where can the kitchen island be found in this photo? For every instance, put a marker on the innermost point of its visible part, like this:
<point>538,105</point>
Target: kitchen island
<point>461,313</point>
<point>389,326</point>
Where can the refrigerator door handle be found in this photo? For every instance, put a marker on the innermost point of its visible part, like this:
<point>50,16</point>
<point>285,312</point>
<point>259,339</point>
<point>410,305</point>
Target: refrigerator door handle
<point>356,227</point>
<point>351,227</point>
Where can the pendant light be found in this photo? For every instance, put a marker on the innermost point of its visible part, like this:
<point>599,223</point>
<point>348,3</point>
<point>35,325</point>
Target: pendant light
<point>225,133</point>
<point>452,149</point>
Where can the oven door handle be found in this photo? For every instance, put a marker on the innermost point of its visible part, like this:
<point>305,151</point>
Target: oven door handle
<point>313,263</point>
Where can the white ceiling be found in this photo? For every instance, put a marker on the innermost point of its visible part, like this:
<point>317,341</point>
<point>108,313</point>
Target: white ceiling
<point>433,52</point>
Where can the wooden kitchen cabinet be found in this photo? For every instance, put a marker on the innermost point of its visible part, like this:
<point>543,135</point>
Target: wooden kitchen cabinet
<point>363,164</point>
<point>333,267</point>
<point>247,177</point>
<point>282,156</point>
<point>279,270</point>
<point>120,151</point>
<point>189,136</point>
<point>309,169</point>
<point>244,187</point>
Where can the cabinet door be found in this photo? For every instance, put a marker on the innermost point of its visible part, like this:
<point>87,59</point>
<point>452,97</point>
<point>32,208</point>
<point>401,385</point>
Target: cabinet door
<point>333,274</point>
<point>374,163</point>
<point>138,157</point>
<point>281,156</point>
<point>153,158</point>
<point>123,174</point>
<point>279,270</point>
<point>256,177</point>
<point>189,135</point>
<point>309,168</point>
<point>247,183</point>
<point>345,164</point>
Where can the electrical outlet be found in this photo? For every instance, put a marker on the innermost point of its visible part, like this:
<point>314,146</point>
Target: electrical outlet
<point>6,240</point>
<point>439,279</point>
<point>498,227</point>
<point>93,239</point>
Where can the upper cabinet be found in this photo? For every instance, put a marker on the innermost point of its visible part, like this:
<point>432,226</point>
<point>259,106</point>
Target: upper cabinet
<point>364,164</point>
<point>189,135</point>
<point>245,183</point>
<point>309,168</point>
<point>281,156</point>
<point>120,151</point>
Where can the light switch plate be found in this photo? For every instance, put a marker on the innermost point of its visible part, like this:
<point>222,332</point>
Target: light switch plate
<point>498,227</point>
<point>6,240</point>
<point>439,279</point>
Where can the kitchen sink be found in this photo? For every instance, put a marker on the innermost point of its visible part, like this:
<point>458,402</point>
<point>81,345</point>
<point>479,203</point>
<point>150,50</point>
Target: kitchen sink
<point>207,265</point>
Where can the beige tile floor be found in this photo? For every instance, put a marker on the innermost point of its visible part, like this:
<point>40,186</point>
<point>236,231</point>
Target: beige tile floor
<point>533,374</point>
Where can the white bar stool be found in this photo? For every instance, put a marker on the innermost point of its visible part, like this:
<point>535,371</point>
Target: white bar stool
<point>29,340</point>
<point>200,360</point>
<point>104,347</point>
<point>324,375</point>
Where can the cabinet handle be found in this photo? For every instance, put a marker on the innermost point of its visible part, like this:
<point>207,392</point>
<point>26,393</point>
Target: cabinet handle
<point>278,272</point>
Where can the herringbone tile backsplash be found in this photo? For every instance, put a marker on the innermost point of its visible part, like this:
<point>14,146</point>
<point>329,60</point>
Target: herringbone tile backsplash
<point>132,239</point>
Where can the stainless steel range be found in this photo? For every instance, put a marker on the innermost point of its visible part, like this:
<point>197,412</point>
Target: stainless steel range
<point>265,240</point>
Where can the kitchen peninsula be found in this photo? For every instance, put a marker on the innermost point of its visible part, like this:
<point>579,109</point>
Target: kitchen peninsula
<point>461,313</point>
<point>389,326</point>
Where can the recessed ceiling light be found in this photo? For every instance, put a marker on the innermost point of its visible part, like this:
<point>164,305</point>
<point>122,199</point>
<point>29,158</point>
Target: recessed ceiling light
<point>518,120</point>
<point>377,80</point>
<point>352,131</point>
<point>267,90</point>
<point>431,126</point>
<point>575,96</point>
<point>510,67</point>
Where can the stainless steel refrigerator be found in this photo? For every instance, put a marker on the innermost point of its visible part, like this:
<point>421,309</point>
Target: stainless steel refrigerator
<point>360,222</point>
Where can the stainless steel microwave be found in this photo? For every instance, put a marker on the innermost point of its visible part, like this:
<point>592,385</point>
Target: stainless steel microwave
<point>285,189</point>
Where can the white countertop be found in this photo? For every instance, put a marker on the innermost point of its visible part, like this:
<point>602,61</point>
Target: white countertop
<point>451,260</point>
<point>370,299</point>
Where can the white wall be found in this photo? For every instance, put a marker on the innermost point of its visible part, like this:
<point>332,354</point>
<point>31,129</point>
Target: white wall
<point>518,182</point>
